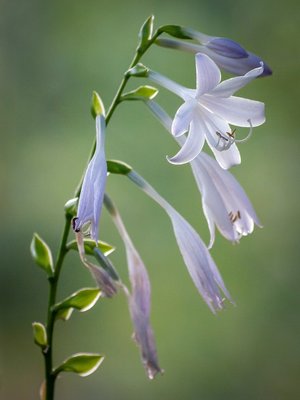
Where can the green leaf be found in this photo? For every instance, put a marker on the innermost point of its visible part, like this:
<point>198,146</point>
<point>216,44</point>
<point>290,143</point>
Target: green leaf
<point>83,364</point>
<point>39,334</point>
<point>175,31</point>
<point>138,70</point>
<point>41,254</point>
<point>71,207</point>
<point>97,107</point>
<point>141,93</point>
<point>117,167</point>
<point>82,300</point>
<point>89,246</point>
<point>145,33</point>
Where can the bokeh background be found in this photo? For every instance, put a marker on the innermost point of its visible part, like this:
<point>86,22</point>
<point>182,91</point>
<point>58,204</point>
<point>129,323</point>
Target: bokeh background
<point>53,54</point>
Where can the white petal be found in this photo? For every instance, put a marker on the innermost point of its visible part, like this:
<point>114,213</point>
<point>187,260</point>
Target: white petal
<point>227,158</point>
<point>230,86</point>
<point>183,118</point>
<point>236,110</point>
<point>208,74</point>
<point>193,144</point>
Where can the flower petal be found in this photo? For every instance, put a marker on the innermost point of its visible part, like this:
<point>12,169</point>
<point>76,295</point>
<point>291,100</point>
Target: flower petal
<point>183,118</point>
<point>208,75</point>
<point>193,144</point>
<point>230,86</point>
<point>236,110</point>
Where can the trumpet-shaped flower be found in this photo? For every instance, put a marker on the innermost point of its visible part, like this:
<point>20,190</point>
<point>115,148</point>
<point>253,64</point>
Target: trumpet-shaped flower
<point>93,187</point>
<point>225,203</point>
<point>196,256</point>
<point>139,298</point>
<point>208,111</point>
<point>226,53</point>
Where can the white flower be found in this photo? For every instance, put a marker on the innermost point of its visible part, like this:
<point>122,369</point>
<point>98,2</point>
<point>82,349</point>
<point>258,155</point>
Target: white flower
<point>207,112</point>
<point>195,254</point>
<point>93,187</point>
<point>225,203</point>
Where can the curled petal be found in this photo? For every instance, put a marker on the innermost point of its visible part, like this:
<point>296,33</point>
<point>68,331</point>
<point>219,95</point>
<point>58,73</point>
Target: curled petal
<point>208,74</point>
<point>193,144</point>
<point>183,118</point>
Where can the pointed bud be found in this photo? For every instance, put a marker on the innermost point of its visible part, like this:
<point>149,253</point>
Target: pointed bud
<point>39,334</point>
<point>139,70</point>
<point>145,33</point>
<point>97,107</point>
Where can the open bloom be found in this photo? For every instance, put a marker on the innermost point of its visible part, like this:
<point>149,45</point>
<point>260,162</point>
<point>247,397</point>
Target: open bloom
<point>139,298</point>
<point>225,203</point>
<point>226,53</point>
<point>195,254</point>
<point>93,187</point>
<point>208,111</point>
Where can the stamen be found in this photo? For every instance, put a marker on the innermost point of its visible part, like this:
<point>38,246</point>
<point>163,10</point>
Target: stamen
<point>234,216</point>
<point>249,134</point>
<point>224,142</point>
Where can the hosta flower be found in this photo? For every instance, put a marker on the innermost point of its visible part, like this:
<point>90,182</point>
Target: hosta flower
<point>226,53</point>
<point>196,256</point>
<point>139,297</point>
<point>93,187</point>
<point>225,203</point>
<point>208,111</point>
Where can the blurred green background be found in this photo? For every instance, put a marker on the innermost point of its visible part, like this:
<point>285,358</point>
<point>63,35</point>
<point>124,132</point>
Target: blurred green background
<point>53,54</point>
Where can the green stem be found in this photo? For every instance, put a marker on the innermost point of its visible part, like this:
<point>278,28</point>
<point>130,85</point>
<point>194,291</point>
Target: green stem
<point>50,377</point>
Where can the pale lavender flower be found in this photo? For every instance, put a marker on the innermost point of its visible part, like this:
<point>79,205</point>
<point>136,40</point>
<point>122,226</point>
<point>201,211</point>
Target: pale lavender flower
<point>139,298</point>
<point>93,187</point>
<point>226,53</point>
<point>196,256</point>
<point>207,112</point>
<point>225,203</point>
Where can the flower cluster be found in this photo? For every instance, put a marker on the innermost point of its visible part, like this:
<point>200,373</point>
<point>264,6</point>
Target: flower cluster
<point>210,113</point>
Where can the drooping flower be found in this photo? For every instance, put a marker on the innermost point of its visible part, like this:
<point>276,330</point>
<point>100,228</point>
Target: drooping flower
<point>207,112</point>
<point>93,187</point>
<point>139,297</point>
<point>226,53</point>
<point>225,203</point>
<point>195,254</point>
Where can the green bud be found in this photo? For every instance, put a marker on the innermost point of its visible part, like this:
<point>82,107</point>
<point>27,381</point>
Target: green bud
<point>41,254</point>
<point>117,167</point>
<point>89,246</point>
<point>175,31</point>
<point>82,300</point>
<point>141,93</point>
<point>97,107</point>
<point>39,334</point>
<point>145,33</point>
<point>82,364</point>
<point>139,70</point>
<point>64,314</point>
<point>71,207</point>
